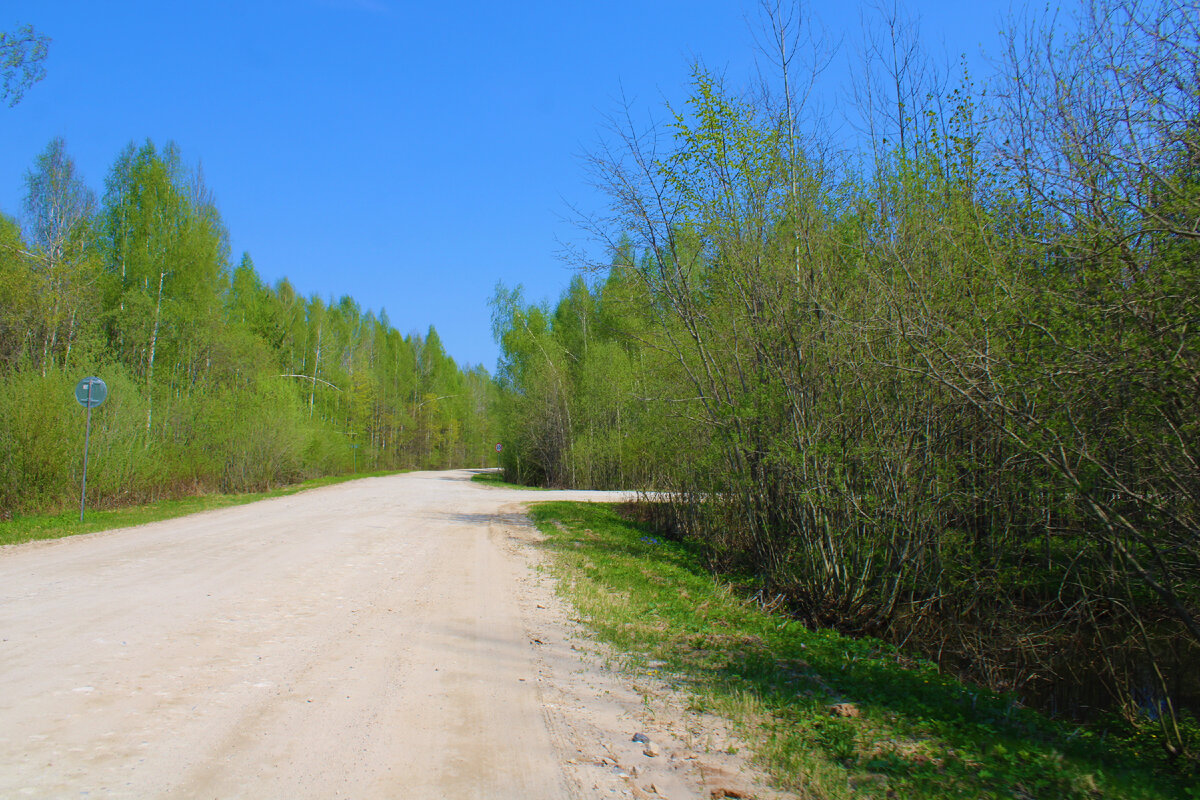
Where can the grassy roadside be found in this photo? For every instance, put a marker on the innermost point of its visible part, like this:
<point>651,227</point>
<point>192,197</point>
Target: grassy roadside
<point>56,526</point>
<point>497,479</point>
<point>905,731</point>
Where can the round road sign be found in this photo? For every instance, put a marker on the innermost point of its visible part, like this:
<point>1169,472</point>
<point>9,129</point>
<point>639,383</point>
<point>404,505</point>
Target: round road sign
<point>499,447</point>
<point>91,392</point>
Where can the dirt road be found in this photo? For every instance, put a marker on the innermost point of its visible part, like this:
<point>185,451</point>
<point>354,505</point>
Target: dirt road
<point>384,638</point>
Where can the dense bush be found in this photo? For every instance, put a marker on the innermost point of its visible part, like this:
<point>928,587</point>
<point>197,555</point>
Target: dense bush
<point>950,396</point>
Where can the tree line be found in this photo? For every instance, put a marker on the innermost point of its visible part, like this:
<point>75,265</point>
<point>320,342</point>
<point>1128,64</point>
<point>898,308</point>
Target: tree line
<point>217,380</point>
<point>942,387</point>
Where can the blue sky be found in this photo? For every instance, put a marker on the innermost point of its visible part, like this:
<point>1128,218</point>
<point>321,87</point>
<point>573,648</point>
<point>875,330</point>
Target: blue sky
<point>407,154</point>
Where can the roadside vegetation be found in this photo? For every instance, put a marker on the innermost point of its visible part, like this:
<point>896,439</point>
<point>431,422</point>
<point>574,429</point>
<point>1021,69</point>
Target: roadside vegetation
<point>829,715</point>
<point>497,479</point>
<point>217,382</point>
<point>57,525</point>
<point>933,381</point>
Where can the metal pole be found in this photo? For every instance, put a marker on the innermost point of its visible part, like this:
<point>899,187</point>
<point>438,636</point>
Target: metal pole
<point>87,436</point>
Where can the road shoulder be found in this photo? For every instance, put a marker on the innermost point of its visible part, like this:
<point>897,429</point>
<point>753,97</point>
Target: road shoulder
<point>596,701</point>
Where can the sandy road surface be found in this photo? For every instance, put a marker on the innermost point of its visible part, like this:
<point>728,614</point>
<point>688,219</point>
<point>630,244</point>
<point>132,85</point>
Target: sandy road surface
<point>375,639</point>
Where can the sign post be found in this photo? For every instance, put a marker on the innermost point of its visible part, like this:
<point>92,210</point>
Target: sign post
<point>90,392</point>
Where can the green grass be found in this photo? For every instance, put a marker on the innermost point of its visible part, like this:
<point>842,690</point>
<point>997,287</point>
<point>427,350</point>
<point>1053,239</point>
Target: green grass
<point>55,526</point>
<point>919,734</point>
<point>497,479</point>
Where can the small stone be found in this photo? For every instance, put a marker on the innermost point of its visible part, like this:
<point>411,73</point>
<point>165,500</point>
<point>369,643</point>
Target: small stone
<point>651,752</point>
<point>641,738</point>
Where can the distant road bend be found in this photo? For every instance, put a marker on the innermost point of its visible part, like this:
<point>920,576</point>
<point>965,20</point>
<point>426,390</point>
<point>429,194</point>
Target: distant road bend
<point>364,640</point>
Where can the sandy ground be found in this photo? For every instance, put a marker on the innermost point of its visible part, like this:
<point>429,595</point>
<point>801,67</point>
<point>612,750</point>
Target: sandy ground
<point>387,638</point>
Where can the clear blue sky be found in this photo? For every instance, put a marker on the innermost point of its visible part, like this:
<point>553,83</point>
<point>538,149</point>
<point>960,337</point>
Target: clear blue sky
<point>407,154</point>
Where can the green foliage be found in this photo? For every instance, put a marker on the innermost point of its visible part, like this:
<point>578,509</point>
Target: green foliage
<point>574,409</point>
<point>22,53</point>
<point>39,441</point>
<point>15,293</point>
<point>945,393</point>
<point>497,479</point>
<point>252,435</point>
<point>217,382</point>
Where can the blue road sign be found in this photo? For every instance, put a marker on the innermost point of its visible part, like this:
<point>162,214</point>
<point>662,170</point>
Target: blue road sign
<point>91,392</point>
